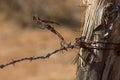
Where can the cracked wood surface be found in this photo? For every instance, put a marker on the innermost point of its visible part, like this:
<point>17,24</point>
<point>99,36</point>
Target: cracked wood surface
<point>107,69</point>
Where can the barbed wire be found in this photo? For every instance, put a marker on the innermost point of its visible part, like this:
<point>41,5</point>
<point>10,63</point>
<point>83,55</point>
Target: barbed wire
<point>65,48</point>
<point>13,62</point>
<point>79,42</point>
<point>69,46</point>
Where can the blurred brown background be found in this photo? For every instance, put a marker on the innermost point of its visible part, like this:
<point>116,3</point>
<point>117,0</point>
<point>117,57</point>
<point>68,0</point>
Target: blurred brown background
<point>19,38</point>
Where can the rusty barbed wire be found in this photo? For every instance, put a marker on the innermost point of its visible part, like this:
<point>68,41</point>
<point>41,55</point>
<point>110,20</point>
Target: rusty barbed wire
<point>79,42</point>
<point>13,62</point>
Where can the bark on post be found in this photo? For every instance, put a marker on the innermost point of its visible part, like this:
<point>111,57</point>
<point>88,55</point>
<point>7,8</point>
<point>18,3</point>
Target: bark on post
<point>101,22</point>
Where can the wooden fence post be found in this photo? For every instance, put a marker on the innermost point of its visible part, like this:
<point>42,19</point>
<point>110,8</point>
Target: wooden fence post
<point>101,24</point>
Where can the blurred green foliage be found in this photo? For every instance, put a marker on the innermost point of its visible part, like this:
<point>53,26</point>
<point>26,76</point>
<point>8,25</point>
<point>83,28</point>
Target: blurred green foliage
<point>65,12</point>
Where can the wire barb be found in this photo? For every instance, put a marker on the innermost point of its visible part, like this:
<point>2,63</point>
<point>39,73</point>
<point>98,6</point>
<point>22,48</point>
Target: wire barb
<point>43,24</point>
